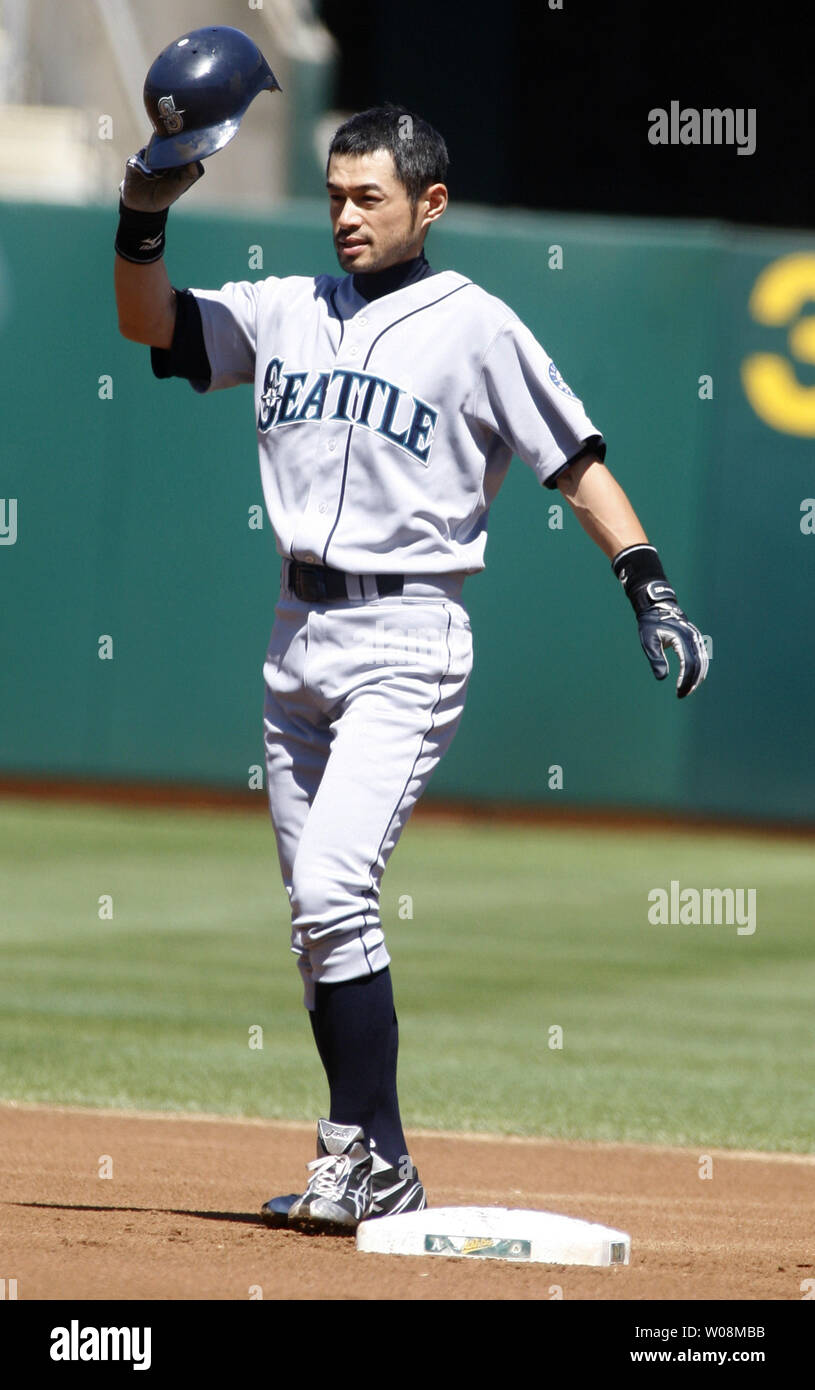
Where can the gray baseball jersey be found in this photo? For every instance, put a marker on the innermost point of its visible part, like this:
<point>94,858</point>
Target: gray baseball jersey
<point>386,428</point>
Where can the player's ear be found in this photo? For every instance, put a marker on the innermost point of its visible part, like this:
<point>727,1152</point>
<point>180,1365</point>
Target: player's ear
<point>432,203</point>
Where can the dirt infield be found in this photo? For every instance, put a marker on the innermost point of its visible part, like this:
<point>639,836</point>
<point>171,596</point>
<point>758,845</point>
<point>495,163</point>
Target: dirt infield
<point>177,1218</point>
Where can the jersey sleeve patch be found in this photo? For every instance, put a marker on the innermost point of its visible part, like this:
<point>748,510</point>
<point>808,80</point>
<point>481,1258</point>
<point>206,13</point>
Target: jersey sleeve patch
<point>523,398</point>
<point>557,380</point>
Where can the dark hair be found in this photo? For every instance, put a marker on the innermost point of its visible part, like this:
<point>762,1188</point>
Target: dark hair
<point>419,153</point>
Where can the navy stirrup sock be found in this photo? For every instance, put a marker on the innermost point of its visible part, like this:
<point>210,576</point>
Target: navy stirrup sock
<point>357,1037</point>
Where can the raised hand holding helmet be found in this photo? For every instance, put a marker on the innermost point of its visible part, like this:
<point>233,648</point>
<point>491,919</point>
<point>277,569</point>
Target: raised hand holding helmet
<point>196,94</point>
<point>147,190</point>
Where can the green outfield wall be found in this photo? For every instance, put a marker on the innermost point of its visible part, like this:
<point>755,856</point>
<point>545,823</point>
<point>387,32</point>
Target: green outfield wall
<point>127,502</point>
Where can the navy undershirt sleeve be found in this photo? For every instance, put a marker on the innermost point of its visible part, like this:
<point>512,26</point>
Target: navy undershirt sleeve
<point>595,445</point>
<point>187,355</point>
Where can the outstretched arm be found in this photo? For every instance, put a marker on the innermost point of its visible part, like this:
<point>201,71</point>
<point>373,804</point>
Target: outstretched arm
<point>601,506</point>
<point>606,515</point>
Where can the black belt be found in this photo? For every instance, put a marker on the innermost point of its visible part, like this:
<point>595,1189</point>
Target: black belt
<point>319,584</point>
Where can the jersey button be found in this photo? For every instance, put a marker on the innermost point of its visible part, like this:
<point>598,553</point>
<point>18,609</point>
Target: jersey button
<point>352,351</point>
<point>311,559</point>
<point>323,508</point>
<point>362,320</point>
<point>332,444</point>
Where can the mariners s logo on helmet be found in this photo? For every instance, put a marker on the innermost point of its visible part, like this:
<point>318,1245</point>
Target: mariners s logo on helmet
<point>170,116</point>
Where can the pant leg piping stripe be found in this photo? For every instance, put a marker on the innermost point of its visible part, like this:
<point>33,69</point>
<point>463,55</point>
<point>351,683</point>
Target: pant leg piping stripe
<point>427,732</point>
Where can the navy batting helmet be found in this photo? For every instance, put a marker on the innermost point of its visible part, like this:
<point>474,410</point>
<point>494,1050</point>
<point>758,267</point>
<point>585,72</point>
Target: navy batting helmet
<point>197,92</point>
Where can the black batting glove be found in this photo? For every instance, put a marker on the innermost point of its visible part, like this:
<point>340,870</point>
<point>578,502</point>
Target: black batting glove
<point>145,197</point>
<point>154,190</point>
<point>662,623</point>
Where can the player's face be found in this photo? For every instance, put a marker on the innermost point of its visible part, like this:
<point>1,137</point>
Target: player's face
<point>372,218</point>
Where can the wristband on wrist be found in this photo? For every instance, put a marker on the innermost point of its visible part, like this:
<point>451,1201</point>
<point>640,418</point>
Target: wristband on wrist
<point>640,572</point>
<point>140,236</point>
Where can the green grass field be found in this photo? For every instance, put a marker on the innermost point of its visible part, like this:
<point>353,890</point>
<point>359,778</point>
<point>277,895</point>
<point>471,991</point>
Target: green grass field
<point>677,1034</point>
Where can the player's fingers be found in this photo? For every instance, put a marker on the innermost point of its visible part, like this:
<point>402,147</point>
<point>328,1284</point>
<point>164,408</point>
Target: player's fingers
<point>182,179</point>
<point>650,638</point>
<point>152,190</point>
<point>137,161</point>
<point>694,667</point>
<point>669,637</point>
<point>690,650</point>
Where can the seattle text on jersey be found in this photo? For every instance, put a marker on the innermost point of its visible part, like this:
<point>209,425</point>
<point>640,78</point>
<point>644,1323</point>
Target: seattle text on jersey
<point>294,398</point>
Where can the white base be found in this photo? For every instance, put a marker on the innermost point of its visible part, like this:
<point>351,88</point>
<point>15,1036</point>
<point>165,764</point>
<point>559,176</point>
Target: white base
<point>497,1233</point>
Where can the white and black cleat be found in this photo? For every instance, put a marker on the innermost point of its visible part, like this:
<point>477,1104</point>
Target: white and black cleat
<point>338,1195</point>
<point>393,1191</point>
<point>275,1212</point>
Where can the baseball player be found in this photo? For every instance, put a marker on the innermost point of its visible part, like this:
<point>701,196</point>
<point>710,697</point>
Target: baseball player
<point>389,401</point>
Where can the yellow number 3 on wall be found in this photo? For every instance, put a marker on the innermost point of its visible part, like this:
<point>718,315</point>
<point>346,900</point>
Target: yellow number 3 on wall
<point>769,380</point>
